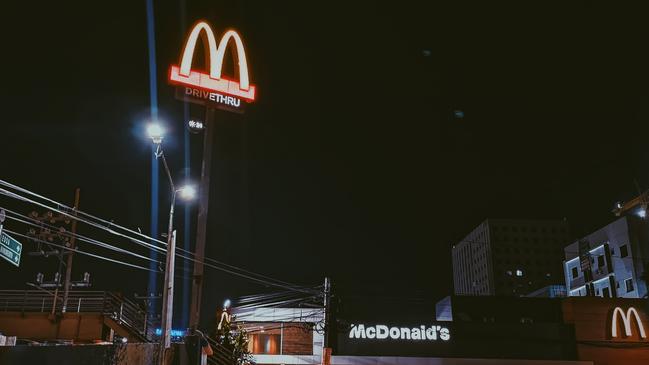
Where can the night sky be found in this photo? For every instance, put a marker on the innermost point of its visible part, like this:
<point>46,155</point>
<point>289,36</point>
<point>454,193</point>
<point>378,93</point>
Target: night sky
<point>351,162</point>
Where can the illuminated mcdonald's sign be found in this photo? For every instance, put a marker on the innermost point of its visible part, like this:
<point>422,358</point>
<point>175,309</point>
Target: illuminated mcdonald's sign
<point>626,321</point>
<point>213,87</point>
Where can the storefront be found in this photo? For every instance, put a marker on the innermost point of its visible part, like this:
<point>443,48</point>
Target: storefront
<point>609,331</point>
<point>294,336</point>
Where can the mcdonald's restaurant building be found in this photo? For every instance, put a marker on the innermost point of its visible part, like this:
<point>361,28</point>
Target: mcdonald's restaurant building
<point>481,330</point>
<point>609,331</point>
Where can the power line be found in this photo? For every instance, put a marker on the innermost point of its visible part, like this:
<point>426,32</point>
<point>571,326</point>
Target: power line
<point>79,212</point>
<point>106,222</point>
<point>71,216</point>
<point>274,282</point>
<point>80,252</point>
<point>77,236</point>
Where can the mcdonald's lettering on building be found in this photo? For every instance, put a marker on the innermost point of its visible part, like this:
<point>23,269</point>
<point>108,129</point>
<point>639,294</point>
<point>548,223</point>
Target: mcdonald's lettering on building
<point>210,87</point>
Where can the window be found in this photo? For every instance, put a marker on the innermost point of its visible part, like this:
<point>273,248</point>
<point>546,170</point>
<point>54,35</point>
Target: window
<point>519,272</point>
<point>606,292</point>
<point>575,272</point>
<point>600,261</point>
<point>629,285</point>
<point>265,343</point>
<point>624,251</point>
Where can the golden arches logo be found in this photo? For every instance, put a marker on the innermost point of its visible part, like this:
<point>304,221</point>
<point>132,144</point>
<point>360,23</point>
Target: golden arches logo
<point>213,81</point>
<point>626,321</point>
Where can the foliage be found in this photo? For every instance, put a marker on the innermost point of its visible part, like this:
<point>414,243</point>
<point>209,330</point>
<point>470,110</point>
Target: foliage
<point>235,342</point>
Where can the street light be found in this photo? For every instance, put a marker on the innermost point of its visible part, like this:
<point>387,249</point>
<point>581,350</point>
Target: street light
<point>187,192</point>
<point>156,132</point>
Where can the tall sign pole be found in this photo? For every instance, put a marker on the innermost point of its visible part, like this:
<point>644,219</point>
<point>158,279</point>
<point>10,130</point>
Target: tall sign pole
<point>213,91</point>
<point>201,229</point>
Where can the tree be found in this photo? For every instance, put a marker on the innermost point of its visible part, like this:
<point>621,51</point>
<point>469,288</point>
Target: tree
<point>234,342</point>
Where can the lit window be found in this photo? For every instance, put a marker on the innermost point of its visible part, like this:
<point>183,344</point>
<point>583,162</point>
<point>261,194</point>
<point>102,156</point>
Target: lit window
<point>519,272</point>
<point>264,343</point>
<point>264,338</point>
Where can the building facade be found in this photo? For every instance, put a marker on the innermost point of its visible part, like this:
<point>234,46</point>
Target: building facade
<point>605,331</point>
<point>509,257</point>
<point>283,335</point>
<point>609,262</point>
<point>401,338</point>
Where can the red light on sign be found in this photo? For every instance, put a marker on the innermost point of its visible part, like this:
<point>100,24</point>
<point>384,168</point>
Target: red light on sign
<point>204,81</point>
<point>213,81</point>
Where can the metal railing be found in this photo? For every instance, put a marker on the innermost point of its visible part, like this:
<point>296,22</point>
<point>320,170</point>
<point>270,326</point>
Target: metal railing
<point>112,305</point>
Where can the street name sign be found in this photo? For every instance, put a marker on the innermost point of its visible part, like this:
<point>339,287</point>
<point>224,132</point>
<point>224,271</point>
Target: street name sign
<point>10,249</point>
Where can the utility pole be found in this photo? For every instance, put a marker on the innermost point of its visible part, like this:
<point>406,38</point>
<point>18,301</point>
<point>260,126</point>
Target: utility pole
<point>68,265</point>
<point>168,296</point>
<point>201,228</point>
<point>326,349</point>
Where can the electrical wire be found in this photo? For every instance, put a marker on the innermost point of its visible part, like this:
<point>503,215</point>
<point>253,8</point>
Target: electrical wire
<point>78,237</point>
<point>96,242</point>
<point>90,216</point>
<point>80,252</point>
<point>71,216</point>
<point>10,194</point>
<point>79,212</point>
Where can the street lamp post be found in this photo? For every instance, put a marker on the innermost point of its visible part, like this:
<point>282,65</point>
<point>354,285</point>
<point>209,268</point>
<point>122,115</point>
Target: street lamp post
<point>187,193</point>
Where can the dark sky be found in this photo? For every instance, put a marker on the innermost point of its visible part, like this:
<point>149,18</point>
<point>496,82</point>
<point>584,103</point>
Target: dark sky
<point>350,163</point>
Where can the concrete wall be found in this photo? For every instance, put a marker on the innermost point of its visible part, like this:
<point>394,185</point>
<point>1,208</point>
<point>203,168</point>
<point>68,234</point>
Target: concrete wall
<point>128,354</point>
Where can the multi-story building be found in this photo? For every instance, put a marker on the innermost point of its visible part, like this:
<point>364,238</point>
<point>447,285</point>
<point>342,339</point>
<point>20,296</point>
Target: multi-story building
<point>609,262</point>
<point>509,257</point>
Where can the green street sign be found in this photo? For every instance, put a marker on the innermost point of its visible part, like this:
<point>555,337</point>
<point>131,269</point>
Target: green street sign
<point>10,249</point>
